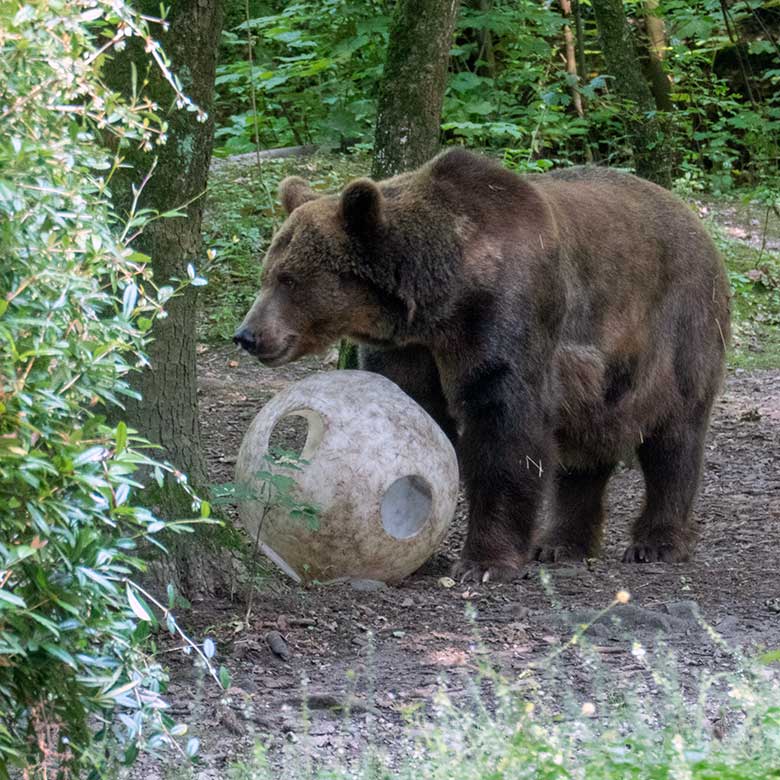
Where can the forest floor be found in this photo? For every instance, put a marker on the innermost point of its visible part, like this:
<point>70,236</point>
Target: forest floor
<point>360,661</point>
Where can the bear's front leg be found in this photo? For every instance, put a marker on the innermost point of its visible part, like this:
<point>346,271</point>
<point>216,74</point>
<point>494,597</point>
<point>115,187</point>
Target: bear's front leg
<point>504,469</point>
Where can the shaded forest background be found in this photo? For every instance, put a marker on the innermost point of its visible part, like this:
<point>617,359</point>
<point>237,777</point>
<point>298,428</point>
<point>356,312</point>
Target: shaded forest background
<point>527,79</point>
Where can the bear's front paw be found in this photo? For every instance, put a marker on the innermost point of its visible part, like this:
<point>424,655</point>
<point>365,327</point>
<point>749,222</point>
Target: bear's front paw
<point>648,552</point>
<point>468,570</point>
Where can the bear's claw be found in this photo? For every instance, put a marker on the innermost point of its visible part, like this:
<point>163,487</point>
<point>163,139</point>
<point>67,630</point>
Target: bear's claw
<point>555,553</point>
<point>466,570</point>
<point>655,553</point>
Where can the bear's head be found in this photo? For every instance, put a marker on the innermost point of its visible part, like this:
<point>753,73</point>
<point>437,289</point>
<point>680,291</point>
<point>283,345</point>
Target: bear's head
<point>328,274</point>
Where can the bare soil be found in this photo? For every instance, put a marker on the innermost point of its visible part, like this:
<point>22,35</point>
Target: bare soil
<point>357,660</point>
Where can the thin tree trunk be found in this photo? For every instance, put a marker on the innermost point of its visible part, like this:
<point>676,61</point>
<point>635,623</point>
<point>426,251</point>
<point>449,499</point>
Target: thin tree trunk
<point>412,89</point>
<point>734,38</point>
<point>487,54</point>
<point>648,136</point>
<point>168,412</point>
<point>656,74</point>
<point>571,57</point>
<point>579,38</point>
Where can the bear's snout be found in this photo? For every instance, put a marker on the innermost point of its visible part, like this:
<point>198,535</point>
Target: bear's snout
<point>267,346</point>
<point>245,340</point>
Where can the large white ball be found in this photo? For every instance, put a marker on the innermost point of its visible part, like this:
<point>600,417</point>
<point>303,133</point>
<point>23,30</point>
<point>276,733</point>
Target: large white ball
<point>382,473</point>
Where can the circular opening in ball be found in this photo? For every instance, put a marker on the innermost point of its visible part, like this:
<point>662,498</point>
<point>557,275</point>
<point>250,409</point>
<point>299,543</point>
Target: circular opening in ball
<point>297,434</point>
<point>406,507</point>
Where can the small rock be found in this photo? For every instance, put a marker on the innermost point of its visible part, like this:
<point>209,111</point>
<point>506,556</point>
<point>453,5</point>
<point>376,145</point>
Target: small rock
<point>683,610</point>
<point>516,611</point>
<point>278,645</point>
<point>367,585</point>
<point>728,625</point>
<point>626,619</point>
<point>565,571</point>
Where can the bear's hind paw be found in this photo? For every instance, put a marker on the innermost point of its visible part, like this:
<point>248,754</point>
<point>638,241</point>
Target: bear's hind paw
<point>466,570</point>
<point>655,553</point>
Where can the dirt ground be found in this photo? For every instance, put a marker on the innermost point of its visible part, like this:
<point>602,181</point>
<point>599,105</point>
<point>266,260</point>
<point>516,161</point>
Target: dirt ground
<point>360,659</point>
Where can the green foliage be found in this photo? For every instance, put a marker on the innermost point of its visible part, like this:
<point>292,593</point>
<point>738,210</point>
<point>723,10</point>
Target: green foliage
<point>521,100</point>
<point>274,487</point>
<point>611,727</point>
<point>754,274</point>
<point>242,212</point>
<point>314,68</point>
<point>722,138</point>
<point>76,304</point>
<point>316,64</point>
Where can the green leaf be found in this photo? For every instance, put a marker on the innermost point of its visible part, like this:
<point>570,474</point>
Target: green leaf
<point>770,657</point>
<point>59,653</point>
<point>129,300</point>
<point>139,606</point>
<point>120,437</point>
<point>8,598</point>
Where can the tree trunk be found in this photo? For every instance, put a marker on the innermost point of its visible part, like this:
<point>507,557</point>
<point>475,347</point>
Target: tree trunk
<point>570,53</point>
<point>486,55</point>
<point>651,151</point>
<point>655,72</point>
<point>168,412</point>
<point>412,89</point>
<point>410,96</point>
<point>579,39</point>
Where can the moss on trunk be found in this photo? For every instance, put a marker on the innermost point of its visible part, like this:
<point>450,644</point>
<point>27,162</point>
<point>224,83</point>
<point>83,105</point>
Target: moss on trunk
<point>648,133</point>
<point>412,88</point>
<point>168,412</point>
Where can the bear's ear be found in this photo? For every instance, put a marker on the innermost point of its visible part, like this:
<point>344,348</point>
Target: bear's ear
<point>294,192</point>
<point>361,207</point>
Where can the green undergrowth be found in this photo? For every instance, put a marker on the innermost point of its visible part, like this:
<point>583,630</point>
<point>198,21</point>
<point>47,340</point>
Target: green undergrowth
<point>243,212</point>
<point>651,718</point>
<point>747,232</point>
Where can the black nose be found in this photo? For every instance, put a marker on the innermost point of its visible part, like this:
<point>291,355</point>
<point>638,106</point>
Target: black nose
<point>244,339</point>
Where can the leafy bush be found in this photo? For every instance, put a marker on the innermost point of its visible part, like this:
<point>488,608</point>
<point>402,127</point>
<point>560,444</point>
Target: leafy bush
<point>722,138</point>
<point>314,70</point>
<point>76,304</point>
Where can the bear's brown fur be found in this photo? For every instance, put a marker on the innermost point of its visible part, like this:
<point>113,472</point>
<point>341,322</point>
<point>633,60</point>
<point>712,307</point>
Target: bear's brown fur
<point>552,324</point>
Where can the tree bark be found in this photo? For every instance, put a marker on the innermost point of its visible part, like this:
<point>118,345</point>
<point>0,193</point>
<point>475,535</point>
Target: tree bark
<point>579,38</point>
<point>168,412</point>
<point>656,74</point>
<point>570,53</point>
<point>410,96</point>
<point>651,151</point>
<point>412,89</point>
<point>487,54</point>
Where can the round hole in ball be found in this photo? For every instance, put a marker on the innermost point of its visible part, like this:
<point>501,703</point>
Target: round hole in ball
<point>406,507</point>
<point>298,433</point>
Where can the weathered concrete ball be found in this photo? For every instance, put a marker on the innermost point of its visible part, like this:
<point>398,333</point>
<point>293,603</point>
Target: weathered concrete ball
<point>382,474</point>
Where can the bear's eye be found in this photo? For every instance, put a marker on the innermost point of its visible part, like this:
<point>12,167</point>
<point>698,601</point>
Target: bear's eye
<point>286,280</point>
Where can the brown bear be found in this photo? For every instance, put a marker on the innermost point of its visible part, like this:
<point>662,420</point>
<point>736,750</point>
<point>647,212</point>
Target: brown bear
<point>552,324</point>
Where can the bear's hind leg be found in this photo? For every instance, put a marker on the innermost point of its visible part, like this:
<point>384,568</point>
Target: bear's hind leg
<point>576,516</point>
<point>671,462</point>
